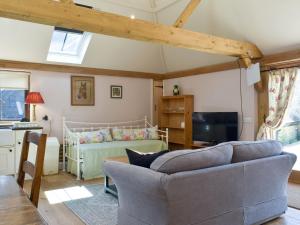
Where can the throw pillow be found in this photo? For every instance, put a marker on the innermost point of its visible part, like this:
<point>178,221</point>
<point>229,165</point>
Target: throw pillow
<point>153,133</point>
<point>90,137</point>
<point>122,134</point>
<point>106,134</point>
<point>143,159</point>
<point>140,133</point>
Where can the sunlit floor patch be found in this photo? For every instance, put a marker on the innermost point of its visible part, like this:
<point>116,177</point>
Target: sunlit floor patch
<point>67,194</point>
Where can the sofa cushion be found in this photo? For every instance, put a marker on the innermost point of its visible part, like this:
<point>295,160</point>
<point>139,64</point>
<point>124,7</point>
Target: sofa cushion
<point>250,150</point>
<point>186,160</point>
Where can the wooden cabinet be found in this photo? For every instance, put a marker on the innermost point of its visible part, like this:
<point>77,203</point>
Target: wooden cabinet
<point>11,142</point>
<point>175,113</point>
<point>7,158</point>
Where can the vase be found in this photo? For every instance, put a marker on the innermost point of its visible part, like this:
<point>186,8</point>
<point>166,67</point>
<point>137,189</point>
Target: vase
<point>176,90</point>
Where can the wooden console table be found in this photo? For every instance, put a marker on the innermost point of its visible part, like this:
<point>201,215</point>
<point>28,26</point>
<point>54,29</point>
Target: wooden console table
<point>15,207</point>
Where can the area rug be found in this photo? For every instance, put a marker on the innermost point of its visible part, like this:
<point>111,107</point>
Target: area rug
<point>99,209</point>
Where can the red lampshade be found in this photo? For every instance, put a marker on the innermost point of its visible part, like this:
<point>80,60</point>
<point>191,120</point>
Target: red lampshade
<point>34,98</point>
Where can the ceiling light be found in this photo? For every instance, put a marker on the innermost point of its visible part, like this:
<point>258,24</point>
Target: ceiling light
<point>132,16</point>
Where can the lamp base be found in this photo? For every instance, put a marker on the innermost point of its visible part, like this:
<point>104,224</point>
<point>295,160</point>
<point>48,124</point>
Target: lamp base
<point>34,115</point>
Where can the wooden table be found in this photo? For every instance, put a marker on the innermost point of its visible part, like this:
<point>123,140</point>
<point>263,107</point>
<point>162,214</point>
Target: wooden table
<point>15,207</point>
<point>111,188</point>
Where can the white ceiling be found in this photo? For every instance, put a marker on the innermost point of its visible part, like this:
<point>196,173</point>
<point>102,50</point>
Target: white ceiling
<point>271,24</point>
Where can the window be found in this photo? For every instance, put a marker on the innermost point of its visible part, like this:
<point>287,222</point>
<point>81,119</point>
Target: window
<point>289,133</point>
<point>68,46</point>
<point>12,104</point>
<point>13,89</point>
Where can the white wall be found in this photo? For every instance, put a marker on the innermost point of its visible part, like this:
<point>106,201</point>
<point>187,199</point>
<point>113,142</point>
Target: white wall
<point>217,92</point>
<point>56,91</point>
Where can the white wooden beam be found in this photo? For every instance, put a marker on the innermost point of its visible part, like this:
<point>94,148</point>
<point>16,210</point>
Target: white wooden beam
<point>55,13</point>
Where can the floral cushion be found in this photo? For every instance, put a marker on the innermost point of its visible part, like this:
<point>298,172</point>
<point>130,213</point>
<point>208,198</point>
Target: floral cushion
<point>90,137</point>
<point>106,134</point>
<point>153,133</point>
<point>122,134</point>
<point>140,134</point>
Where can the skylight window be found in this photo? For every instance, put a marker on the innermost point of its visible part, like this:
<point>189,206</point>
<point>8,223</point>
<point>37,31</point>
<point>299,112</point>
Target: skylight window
<point>68,46</point>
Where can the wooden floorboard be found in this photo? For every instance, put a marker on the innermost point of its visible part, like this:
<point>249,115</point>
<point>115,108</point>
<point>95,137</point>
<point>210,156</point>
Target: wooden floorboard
<point>59,214</point>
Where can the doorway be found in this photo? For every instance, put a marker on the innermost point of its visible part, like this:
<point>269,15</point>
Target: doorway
<point>157,93</point>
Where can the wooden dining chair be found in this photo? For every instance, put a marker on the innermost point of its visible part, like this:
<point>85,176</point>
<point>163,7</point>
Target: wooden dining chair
<point>35,171</point>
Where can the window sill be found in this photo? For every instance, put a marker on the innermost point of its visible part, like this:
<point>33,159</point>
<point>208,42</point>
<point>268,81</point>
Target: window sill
<point>7,123</point>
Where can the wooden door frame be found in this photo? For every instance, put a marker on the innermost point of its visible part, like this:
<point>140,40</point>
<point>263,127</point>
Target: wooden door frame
<point>154,86</point>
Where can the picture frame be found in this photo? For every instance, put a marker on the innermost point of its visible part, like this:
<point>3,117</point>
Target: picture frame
<point>82,91</point>
<point>116,91</point>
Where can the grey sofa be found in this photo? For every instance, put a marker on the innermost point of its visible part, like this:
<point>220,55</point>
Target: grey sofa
<point>232,183</point>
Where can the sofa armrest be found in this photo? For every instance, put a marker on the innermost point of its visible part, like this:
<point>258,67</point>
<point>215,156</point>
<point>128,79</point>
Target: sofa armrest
<point>141,193</point>
<point>292,158</point>
<point>138,178</point>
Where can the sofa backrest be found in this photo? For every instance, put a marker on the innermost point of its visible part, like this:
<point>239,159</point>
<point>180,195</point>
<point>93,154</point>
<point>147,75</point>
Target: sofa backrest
<point>186,160</point>
<point>222,154</point>
<point>250,150</point>
<point>250,185</point>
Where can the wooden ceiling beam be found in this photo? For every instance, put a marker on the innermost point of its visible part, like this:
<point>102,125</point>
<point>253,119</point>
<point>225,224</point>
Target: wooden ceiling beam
<point>55,13</point>
<point>284,59</point>
<point>9,64</point>
<point>274,61</point>
<point>67,1</point>
<point>187,12</point>
<point>202,70</point>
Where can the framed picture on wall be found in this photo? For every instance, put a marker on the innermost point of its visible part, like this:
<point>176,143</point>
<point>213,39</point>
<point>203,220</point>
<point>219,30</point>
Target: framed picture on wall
<point>82,91</point>
<point>116,91</point>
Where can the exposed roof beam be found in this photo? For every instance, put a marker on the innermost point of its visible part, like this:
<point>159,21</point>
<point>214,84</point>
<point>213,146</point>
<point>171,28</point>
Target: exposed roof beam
<point>274,61</point>
<point>54,13</point>
<point>283,59</point>
<point>187,12</point>
<point>9,64</point>
<point>67,1</point>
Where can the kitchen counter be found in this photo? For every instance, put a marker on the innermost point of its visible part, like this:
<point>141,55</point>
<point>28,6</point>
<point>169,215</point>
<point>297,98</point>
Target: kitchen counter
<point>26,128</point>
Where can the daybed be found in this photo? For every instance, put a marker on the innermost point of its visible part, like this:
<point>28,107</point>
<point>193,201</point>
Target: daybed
<point>86,145</point>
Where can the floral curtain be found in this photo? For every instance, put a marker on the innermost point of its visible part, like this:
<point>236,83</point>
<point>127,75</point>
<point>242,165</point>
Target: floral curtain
<point>281,86</point>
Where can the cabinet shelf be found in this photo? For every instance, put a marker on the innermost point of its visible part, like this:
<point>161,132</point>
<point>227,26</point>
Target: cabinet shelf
<point>170,112</point>
<point>170,127</point>
<point>176,142</point>
<point>173,111</point>
<point>178,97</point>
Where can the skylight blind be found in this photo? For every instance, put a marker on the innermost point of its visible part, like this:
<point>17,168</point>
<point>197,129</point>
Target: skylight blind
<point>14,79</point>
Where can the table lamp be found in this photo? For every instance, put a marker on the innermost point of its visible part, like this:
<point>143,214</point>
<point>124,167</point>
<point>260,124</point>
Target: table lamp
<point>34,98</point>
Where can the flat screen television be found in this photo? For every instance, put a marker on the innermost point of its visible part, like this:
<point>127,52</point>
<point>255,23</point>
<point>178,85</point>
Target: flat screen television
<point>215,127</point>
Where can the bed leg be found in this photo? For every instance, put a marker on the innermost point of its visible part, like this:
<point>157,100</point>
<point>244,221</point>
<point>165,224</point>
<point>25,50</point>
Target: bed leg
<point>64,145</point>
